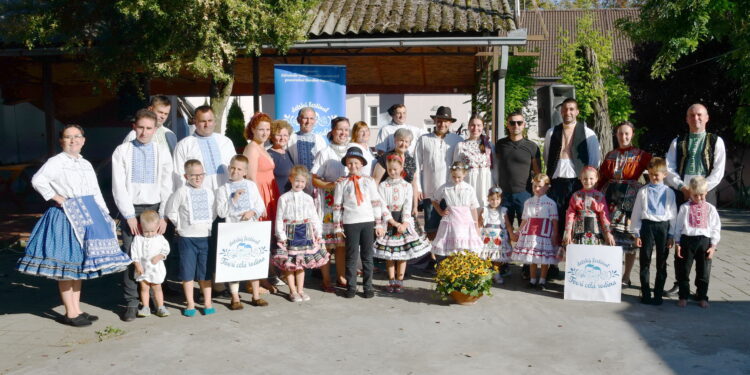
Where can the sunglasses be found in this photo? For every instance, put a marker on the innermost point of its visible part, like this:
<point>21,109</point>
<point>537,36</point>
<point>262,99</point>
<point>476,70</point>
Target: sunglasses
<point>515,123</point>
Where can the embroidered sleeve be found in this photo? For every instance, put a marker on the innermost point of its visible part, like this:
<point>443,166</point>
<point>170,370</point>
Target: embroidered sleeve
<point>408,201</point>
<point>279,221</point>
<point>379,210</point>
<point>312,215</point>
<point>571,213</point>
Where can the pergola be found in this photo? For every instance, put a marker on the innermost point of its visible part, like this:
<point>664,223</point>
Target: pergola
<point>388,46</point>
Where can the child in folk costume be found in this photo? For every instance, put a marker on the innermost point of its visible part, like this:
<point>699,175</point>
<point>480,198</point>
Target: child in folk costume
<point>191,210</point>
<point>537,241</point>
<point>298,232</point>
<point>358,212</point>
<point>401,241</point>
<point>587,217</point>
<point>240,200</point>
<point>459,227</point>
<point>495,223</point>
<point>149,251</point>
<point>697,232</point>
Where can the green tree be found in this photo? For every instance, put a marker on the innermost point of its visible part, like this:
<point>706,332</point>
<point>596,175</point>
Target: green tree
<point>158,37</point>
<point>575,70</point>
<point>236,126</point>
<point>682,27</point>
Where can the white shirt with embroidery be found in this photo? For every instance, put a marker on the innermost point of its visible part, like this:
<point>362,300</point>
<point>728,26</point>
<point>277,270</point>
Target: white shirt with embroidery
<point>249,201</point>
<point>434,156</point>
<point>68,176</point>
<point>191,211</point>
<point>296,208</point>
<point>188,148</point>
<point>385,141</point>
<point>141,180</point>
<point>697,220</point>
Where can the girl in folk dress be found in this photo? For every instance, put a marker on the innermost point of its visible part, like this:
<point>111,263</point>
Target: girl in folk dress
<point>587,218</point>
<point>298,232</point>
<point>494,221</point>
<point>537,242</point>
<point>401,241</point>
<point>459,227</point>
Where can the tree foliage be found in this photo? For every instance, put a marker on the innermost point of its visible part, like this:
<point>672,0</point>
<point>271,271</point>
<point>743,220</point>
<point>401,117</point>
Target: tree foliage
<point>573,71</point>
<point>519,83</point>
<point>236,126</point>
<point>157,37</point>
<point>683,27</point>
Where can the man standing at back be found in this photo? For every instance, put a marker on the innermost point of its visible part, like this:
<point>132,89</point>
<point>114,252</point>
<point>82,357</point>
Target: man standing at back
<point>385,142</point>
<point>568,147</point>
<point>304,144</point>
<point>517,159</point>
<point>160,106</point>
<point>213,150</point>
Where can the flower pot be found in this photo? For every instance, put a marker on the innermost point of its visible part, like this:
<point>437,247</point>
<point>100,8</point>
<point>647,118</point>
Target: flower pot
<point>464,299</point>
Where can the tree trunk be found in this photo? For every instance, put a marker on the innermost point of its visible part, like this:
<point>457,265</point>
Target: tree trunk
<point>601,126</point>
<point>220,93</point>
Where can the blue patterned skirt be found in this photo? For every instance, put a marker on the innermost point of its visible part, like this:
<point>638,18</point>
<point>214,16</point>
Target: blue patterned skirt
<point>54,251</point>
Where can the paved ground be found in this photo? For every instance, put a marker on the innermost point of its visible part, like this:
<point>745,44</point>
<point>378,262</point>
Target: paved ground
<point>516,330</point>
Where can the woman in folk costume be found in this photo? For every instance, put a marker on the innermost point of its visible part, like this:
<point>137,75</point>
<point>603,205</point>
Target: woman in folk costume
<point>75,240</point>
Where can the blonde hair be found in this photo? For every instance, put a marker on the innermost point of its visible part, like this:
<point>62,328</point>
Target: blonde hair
<point>657,164</point>
<point>191,163</point>
<point>587,169</point>
<point>279,125</point>
<point>149,217</point>
<point>698,185</point>
<point>239,158</point>
<point>541,178</point>
<point>299,170</point>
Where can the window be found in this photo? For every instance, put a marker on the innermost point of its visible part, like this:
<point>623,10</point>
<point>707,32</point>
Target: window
<point>374,114</point>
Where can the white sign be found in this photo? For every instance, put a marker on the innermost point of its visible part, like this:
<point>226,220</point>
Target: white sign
<point>243,251</point>
<point>593,273</point>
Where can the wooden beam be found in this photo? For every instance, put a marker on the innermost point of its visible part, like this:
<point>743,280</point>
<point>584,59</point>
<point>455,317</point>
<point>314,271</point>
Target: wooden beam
<point>49,108</point>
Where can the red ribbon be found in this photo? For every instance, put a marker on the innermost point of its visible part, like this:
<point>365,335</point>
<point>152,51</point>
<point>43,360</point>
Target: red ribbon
<point>357,191</point>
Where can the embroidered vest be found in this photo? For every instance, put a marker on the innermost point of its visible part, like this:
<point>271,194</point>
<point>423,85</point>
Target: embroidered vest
<point>579,152</point>
<point>707,153</point>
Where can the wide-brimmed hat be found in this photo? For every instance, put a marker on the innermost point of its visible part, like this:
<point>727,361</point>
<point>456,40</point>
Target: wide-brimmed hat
<point>443,113</point>
<point>354,152</point>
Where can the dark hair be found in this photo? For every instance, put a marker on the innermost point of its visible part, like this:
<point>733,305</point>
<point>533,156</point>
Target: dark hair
<point>202,109</point>
<point>515,113</point>
<point>569,100</point>
<point>160,100</point>
<point>144,113</point>
<point>484,143</point>
<point>335,121</point>
<point>66,127</point>
<point>392,109</point>
<point>254,122</point>
<point>625,123</point>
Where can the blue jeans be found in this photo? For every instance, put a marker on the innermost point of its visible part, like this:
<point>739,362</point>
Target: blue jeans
<point>431,217</point>
<point>514,203</point>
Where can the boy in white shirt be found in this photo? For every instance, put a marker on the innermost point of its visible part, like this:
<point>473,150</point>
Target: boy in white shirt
<point>239,200</point>
<point>652,221</point>
<point>191,210</point>
<point>697,232</point>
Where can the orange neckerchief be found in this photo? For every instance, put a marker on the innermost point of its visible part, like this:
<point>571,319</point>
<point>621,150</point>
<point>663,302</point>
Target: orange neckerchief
<point>357,191</point>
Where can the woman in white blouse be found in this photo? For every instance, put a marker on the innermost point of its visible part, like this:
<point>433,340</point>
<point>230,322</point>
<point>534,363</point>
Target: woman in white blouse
<point>75,239</point>
<point>327,170</point>
<point>361,139</point>
<point>476,152</point>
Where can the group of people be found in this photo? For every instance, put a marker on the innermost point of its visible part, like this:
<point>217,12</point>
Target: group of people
<point>337,198</point>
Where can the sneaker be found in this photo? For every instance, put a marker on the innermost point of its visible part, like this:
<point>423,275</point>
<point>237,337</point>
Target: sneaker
<point>398,287</point>
<point>144,312</point>
<point>162,312</point>
<point>209,311</point>
<point>294,297</point>
<point>304,296</point>
<point>189,312</point>
<point>672,291</point>
<point>498,279</point>
<point>542,286</point>
<point>391,288</point>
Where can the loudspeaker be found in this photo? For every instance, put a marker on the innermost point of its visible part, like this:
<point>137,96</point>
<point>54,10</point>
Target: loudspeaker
<point>548,103</point>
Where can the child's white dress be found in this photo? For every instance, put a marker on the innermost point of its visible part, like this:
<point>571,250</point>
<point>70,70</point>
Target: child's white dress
<point>143,250</point>
<point>535,240</point>
<point>495,235</point>
<point>397,195</point>
<point>457,230</point>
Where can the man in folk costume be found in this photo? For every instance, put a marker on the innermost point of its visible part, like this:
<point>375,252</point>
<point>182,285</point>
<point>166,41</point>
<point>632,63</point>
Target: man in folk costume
<point>213,150</point>
<point>160,106</point>
<point>568,147</point>
<point>696,153</point>
<point>141,180</point>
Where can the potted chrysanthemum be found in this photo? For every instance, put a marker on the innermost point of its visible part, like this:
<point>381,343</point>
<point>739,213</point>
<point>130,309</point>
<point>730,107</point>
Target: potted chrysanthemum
<point>465,277</point>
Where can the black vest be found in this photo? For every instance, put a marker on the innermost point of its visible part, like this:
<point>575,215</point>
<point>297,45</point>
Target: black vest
<point>707,153</point>
<point>579,151</point>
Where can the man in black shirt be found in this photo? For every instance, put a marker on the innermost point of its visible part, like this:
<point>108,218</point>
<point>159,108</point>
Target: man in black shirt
<point>517,160</point>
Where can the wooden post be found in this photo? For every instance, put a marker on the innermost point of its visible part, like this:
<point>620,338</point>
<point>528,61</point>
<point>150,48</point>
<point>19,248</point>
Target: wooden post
<point>49,108</point>
<point>256,84</point>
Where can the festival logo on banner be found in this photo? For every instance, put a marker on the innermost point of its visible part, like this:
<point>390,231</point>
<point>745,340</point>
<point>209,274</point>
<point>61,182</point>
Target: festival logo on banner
<point>240,256</point>
<point>593,273</point>
<point>321,87</point>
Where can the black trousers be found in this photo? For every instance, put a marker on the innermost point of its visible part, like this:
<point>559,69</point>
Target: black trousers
<point>560,191</point>
<point>693,248</point>
<point>654,234</point>
<point>359,240</point>
<point>129,285</point>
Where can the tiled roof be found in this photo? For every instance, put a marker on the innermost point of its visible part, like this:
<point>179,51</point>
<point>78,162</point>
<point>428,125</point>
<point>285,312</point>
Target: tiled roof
<point>335,18</point>
<point>557,20</point>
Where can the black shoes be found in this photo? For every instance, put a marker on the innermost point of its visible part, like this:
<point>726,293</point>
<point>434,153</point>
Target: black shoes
<point>78,321</point>
<point>91,318</point>
<point>350,294</point>
<point>129,314</point>
<point>369,293</point>
<point>672,292</point>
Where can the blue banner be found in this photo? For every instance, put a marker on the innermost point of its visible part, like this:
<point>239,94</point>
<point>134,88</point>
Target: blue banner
<point>321,87</point>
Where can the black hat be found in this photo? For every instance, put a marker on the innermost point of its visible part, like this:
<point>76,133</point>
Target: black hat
<point>444,113</point>
<point>354,152</point>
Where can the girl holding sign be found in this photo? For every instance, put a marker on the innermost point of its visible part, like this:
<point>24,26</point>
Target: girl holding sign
<point>587,217</point>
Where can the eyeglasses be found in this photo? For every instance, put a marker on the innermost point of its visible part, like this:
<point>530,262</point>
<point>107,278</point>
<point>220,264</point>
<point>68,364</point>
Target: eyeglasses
<point>515,123</point>
<point>196,175</point>
<point>69,137</point>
